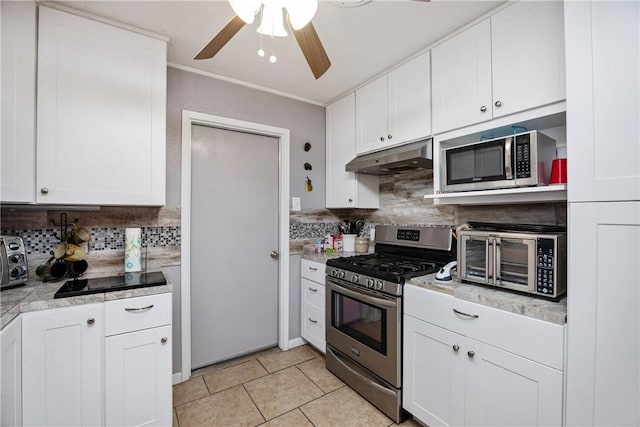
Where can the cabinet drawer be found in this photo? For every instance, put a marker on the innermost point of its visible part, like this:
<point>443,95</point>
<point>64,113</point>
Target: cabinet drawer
<point>313,328</point>
<point>133,314</point>
<point>313,270</point>
<point>313,294</point>
<point>531,338</point>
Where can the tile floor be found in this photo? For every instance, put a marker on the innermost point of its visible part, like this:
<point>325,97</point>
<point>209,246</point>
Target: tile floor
<point>273,388</point>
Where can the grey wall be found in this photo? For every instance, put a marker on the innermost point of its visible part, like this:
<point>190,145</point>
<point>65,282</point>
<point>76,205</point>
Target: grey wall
<point>295,328</point>
<point>306,122</point>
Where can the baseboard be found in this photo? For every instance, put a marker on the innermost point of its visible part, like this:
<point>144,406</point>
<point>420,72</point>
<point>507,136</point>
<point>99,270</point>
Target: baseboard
<point>296,342</point>
<point>177,378</point>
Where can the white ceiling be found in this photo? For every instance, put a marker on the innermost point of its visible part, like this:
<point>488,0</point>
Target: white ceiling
<point>361,42</point>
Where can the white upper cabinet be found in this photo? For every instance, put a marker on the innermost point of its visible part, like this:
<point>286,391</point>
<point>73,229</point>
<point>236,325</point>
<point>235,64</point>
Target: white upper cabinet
<point>603,100</point>
<point>18,101</point>
<point>527,41</point>
<point>394,108</point>
<point>462,79</point>
<point>101,113</point>
<point>510,62</point>
<point>345,189</point>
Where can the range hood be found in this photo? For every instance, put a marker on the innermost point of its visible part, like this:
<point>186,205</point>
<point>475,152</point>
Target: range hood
<point>417,155</point>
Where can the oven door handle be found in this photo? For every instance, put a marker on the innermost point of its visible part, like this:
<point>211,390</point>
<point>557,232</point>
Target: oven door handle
<point>361,296</point>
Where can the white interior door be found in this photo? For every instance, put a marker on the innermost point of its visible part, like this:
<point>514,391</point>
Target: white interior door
<point>234,229</point>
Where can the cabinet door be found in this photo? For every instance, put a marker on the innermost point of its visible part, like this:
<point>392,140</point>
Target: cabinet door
<point>461,68</point>
<point>11,361</point>
<point>62,366</point>
<point>18,101</point>
<point>101,113</point>
<point>527,60</point>
<point>429,373</point>
<point>346,189</point>
<point>409,97</point>
<point>371,116</point>
<point>138,378</point>
<point>603,100</point>
<point>503,389</point>
<point>603,326</point>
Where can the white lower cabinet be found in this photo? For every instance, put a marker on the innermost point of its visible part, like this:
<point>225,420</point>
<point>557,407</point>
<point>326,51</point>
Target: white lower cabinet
<point>11,361</point>
<point>313,303</point>
<point>453,379</point>
<point>138,361</point>
<point>62,360</point>
<point>96,364</point>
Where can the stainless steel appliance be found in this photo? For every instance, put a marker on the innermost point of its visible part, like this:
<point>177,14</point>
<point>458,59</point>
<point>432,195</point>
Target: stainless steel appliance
<point>417,155</point>
<point>364,309</point>
<point>13,264</point>
<point>517,160</point>
<point>524,258</point>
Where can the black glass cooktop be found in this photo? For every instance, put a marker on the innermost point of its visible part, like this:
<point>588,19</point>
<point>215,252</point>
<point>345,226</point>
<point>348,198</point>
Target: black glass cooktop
<point>72,288</point>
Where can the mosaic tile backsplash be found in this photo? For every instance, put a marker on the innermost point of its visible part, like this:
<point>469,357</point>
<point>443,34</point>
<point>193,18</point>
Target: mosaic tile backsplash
<point>41,242</point>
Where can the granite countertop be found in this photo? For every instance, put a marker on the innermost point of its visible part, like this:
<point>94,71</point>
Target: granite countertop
<point>536,307</point>
<point>36,295</point>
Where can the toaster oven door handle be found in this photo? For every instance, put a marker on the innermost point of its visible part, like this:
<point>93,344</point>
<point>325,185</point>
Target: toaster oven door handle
<point>486,261</point>
<point>496,261</point>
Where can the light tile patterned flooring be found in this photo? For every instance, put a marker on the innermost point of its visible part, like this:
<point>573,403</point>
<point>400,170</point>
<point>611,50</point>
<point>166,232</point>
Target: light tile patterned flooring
<point>273,388</point>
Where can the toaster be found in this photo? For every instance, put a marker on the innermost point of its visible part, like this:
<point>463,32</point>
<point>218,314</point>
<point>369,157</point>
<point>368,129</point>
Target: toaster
<point>13,268</point>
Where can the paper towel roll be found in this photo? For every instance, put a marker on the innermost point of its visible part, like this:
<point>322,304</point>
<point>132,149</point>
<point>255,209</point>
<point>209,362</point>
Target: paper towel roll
<point>132,252</point>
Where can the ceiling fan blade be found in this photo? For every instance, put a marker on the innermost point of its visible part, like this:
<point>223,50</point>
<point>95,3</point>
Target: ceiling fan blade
<point>222,38</point>
<point>312,49</point>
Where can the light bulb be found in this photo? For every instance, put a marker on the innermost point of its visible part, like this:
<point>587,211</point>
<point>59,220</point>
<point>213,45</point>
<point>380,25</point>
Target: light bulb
<point>271,24</point>
<point>261,53</point>
<point>300,12</point>
<point>273,59</point>
<point>246,9</point>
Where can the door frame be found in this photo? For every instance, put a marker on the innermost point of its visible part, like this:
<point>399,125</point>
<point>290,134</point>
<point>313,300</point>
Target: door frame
<point>190,118</point>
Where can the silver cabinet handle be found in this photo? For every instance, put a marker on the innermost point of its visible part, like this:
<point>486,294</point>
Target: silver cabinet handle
<point>163,340</point>
<point>483,108</point>
<point>313,268</point>
<point>44,190</point>
<point>312,289</point>
<point>312,321</point>
<point>473,316</point>
<point>471,353</point>
<point>456,347</point>
<point>382,138</point>
<point>350,200</point>
<point>389,136</point>
<point>149,307</point>
<point>498,104</point>
<point>91,321</point>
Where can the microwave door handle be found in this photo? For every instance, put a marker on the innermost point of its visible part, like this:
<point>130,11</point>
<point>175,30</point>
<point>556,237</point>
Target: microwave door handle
<point>508,162</point>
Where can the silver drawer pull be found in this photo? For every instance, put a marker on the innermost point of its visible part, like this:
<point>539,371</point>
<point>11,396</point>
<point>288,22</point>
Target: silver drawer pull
<point>473,316</point>
<point>313,268</point>
<point>91,321</point>
<point>149,307</point>
<point>312,321</point>
<point>163,340</point>
<point>312,289</point>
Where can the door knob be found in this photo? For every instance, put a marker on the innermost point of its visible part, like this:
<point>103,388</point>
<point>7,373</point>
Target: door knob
<point>274,254</point>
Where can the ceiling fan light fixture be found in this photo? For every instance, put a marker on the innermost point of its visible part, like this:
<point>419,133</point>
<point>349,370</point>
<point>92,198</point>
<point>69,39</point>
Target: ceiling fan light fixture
<point>246,9</point>
<point>272,24</point>
<point>301,12</point>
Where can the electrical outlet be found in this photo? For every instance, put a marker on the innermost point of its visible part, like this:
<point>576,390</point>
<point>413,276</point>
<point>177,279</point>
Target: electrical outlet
<point>295,203</point>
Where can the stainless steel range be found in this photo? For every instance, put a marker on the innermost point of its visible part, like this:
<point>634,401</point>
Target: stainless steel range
<point>364,309</point>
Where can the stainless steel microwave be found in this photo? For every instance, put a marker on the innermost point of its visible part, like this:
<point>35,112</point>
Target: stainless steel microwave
<point>518,160</point>
<point>533,263</point>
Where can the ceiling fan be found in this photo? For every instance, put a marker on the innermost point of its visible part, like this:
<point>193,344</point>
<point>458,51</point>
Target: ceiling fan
<point>299,15</point>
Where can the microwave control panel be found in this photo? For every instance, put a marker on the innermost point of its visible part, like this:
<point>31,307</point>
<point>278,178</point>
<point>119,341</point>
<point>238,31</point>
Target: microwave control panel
<point>546,261</point>
<point>523,156</point>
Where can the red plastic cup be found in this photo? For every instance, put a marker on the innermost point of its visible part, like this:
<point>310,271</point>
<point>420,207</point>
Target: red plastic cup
<point>559,171</point>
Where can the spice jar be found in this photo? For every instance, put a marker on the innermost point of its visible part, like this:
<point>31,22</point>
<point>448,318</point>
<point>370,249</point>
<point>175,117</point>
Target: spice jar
<point>362,245</point>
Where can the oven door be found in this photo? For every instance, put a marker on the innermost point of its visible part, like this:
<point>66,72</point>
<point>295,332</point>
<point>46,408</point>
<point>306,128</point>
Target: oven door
<point>366,326</point>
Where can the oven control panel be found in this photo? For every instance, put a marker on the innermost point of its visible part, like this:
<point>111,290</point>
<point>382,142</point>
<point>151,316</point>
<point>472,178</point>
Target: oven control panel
<point>363,281</point>
<point>410,235</point>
